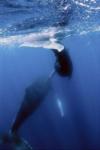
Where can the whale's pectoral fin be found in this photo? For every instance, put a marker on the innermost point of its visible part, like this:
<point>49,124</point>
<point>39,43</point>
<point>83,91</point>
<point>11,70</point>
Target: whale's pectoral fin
<point>26,44</point>
<point>54,45</point>
<point>44,44</point>
<point>15,141</point>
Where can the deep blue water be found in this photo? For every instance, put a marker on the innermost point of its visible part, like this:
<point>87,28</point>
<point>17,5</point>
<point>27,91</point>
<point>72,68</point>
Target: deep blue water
<point>75,124</point>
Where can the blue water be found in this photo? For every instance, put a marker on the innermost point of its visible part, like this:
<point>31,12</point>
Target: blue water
<point>68,119</point>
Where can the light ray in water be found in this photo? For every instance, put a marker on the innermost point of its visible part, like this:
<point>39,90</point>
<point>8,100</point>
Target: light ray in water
<point>60,106</point>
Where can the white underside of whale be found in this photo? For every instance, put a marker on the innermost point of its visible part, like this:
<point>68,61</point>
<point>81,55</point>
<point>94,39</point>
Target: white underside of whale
<point>47,45</point>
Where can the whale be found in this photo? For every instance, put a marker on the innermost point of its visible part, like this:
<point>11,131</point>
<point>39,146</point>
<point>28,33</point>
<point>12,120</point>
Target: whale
<point>48,35</point>
<point>35,94</point>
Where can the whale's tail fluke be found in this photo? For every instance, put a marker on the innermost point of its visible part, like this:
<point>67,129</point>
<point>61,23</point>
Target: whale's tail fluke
<point>63,65</point>
<point>15,141</point>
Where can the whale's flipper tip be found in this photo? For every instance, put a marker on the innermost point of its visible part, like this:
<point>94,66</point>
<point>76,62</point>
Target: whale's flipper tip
<point>22,145</point>
<point>26,44</point>
<point>15,141</point>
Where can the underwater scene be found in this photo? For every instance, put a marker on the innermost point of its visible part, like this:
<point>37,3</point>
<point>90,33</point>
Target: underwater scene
<point>49,74</point>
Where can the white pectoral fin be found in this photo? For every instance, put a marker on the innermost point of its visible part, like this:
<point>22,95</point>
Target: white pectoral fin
<point>54,45</point>
<point>46,44</point>
<point>26,44</point>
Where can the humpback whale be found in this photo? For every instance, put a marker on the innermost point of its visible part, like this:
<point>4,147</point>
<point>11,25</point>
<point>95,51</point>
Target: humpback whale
<point>36,92</point>
<point>34,96</point>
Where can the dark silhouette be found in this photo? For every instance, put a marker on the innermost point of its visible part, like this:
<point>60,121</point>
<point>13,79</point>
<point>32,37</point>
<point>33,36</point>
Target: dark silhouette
<point>36,93</point>
<point>63,64</point>
<point>34,96</point>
